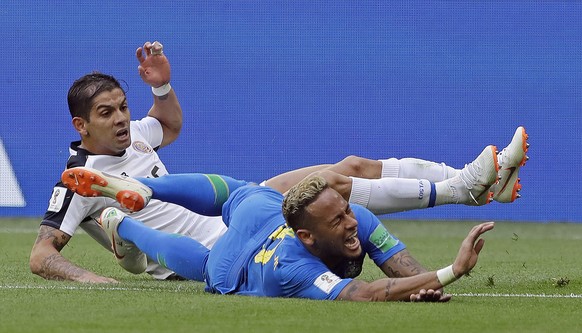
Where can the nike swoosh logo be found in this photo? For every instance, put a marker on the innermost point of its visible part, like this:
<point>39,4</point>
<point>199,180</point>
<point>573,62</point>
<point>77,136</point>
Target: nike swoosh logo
<point>117,255</point>
<point>511,171</point>
<point>485,190</point>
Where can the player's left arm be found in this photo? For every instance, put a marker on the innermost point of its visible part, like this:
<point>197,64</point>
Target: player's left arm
<point>154,69</point>
<point>403,264</point>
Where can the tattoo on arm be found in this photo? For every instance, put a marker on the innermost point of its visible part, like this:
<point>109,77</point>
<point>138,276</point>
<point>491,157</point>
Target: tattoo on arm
<point>389,285</point>
<point>47,233</point>
<point>352,290</point>
<point>403,264</point>
<point>54,266</point>
<point>382,290</point>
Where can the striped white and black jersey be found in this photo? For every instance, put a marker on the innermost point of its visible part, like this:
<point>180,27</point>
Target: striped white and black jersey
<point>67,211</point>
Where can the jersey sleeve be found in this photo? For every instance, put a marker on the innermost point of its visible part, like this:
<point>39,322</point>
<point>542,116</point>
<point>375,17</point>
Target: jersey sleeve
<point>311,280</point>
<point>150,129</point>
<point>67,210</point>
<point>376,240</point>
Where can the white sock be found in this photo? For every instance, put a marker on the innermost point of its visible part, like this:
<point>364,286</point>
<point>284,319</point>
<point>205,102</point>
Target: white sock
<point>390,195</point>
<point>414,168</point>
<point>447,191</point>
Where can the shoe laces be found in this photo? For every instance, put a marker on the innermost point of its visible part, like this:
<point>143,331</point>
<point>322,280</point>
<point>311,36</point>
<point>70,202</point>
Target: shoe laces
<point>503,157</point>
<point>469,175</point>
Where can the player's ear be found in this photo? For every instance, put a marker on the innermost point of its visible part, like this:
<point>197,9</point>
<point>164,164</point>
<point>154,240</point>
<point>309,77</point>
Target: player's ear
<point>305,236</point>
<point>80,125</point>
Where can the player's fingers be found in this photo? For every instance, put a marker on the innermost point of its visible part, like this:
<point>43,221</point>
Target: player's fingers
<point>157,48</point>
<point>430,293</point>
<point>147,46</point>
<point>445,298</point>
<point>487,226</point>
<point>479,245</point>
<point>478,230</point>
<point>139,54</point>
<point>141,70</point>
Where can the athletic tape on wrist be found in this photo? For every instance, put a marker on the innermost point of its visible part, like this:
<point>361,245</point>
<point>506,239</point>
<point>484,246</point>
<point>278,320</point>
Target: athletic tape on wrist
<point>446,275</point>
<point>162,90</point>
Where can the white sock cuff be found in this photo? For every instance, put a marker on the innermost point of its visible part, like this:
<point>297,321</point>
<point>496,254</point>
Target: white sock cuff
<point>390,168</point>
<point>361,189</point>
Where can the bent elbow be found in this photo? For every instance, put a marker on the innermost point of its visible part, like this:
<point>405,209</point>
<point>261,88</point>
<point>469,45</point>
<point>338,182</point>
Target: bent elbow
<point>35,263</point>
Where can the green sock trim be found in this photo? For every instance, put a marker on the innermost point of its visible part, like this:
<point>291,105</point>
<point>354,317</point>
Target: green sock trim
<point>162,261</point>
<point>221,190</point>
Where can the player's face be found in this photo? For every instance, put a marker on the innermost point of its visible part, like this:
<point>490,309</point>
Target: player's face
<point>107,132</point>
<point>335,228</point>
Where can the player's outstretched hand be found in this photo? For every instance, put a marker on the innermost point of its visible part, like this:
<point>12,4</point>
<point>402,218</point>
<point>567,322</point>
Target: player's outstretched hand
<point>470,248</point>
<point>154,67</point>
<point>430,295</point>
<point>90,277</point>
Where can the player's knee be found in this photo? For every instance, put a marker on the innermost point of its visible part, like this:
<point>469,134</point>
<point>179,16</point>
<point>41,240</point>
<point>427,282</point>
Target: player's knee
<point>332,178</point>
<point>352,164</point>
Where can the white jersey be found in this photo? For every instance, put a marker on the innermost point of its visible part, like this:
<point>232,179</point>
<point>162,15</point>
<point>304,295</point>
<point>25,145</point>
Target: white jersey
<point>67,210</point>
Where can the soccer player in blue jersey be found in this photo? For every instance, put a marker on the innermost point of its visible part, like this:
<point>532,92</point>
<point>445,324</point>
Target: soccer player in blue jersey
<point>111,142</point>
<point>310,243</point>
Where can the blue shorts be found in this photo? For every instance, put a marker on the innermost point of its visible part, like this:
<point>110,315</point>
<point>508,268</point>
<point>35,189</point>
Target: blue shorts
<point>251,213</point>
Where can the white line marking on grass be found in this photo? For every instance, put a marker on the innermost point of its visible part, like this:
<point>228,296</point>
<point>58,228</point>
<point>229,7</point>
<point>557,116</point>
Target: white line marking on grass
<point>520,295</point>
<point>180,289</point>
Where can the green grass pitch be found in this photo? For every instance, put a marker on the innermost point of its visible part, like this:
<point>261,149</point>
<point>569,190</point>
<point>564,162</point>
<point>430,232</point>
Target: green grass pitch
<point>528,279</point>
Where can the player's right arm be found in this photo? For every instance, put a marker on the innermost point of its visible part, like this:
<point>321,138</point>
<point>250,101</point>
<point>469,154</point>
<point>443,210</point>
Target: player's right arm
<point>46,259</point>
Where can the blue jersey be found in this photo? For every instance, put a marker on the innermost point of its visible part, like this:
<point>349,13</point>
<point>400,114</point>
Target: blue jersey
<point>259,255</point>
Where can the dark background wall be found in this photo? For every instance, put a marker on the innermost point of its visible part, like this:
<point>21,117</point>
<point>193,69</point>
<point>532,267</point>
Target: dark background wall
<point>271,86</point>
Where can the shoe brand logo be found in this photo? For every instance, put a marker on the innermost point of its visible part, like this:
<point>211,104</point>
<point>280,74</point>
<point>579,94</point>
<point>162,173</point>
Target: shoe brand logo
<point>506,180</point>
<point>113,243</point>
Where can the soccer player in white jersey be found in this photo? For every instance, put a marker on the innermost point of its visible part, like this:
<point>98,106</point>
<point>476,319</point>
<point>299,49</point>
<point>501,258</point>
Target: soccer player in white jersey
<point>112,143</point>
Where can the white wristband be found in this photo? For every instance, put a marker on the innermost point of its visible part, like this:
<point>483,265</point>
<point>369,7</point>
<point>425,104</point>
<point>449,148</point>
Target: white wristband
<point>162,90</point>
<point>446,275</point>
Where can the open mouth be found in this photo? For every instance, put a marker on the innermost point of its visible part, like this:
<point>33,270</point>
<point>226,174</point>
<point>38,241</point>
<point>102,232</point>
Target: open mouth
<point>352,243</point>
<point>122,134</point>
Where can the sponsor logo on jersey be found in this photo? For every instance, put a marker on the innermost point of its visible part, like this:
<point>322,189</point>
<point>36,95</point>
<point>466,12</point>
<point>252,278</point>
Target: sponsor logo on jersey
<point>326,281</point>
<point>142,147</point>
<point>382,239</point>
<point>57,199</point>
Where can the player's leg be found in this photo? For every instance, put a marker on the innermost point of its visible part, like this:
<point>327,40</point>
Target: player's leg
<point>383,195</point>
<point>414,168</point>
<point>181,254</point>
<point>389,195</point>
<point>201,193</point>
<point>355,166</point>
<point>284,181</point>
<point>352,166</point>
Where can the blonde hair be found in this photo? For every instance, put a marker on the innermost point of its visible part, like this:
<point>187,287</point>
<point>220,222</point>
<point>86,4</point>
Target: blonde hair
<point>299,197</point>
